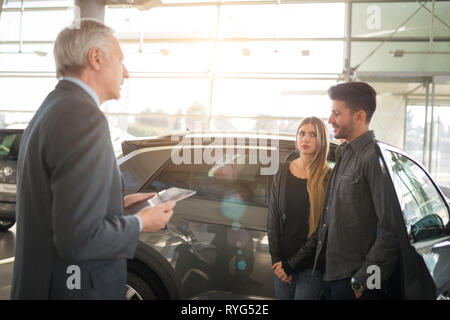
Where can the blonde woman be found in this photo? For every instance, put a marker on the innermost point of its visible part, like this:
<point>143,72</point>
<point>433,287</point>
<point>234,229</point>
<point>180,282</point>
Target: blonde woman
<point>294,212</point>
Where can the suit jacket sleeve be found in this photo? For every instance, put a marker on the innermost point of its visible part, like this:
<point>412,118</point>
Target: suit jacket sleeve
<point>87,204</point>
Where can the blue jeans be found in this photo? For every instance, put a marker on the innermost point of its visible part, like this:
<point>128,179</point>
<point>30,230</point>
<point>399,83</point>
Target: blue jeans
<point>305,285</point>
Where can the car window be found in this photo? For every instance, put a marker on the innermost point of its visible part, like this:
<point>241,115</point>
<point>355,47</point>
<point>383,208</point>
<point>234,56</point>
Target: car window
<point>227,182</point>
<point>230,182</point>
<point>171,176</point>
<point>9,145</point>
<point>420,201</point>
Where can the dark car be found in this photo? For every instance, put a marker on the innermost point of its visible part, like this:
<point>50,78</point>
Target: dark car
<point>215,246</point>
<point>9,152</point>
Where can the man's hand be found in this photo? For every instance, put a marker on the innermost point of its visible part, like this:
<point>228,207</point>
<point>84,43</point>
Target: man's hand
<point>136,197</point>
<point>357,294</point>
<point>155,218</point>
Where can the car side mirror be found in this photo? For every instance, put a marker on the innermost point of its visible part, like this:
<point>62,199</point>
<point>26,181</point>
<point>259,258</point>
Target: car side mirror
<point>428,227</point>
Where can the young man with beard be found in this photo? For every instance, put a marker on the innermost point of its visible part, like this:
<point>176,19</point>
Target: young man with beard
<point>357,234</point>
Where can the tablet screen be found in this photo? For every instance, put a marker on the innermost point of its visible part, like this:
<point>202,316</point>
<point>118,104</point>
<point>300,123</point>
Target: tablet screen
<point>171,194</point>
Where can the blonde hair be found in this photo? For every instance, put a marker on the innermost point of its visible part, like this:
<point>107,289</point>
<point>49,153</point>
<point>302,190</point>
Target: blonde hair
<point>318,172</point>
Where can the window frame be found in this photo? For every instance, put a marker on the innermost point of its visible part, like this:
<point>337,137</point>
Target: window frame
<point>386,150</point>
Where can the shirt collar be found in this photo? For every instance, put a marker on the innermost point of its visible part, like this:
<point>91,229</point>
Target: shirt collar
<point>86,88</point>
<point>357,144</point>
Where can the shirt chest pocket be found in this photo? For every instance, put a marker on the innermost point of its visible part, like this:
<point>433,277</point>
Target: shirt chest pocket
<point>350,188</point>
<point>350,179</point>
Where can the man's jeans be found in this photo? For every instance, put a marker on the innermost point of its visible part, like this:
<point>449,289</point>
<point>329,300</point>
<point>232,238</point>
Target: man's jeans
<point>305,285</point>
<point>342,290</point>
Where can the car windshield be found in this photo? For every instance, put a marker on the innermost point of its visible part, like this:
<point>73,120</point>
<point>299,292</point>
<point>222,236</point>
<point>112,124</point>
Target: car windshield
<point>9,145</point>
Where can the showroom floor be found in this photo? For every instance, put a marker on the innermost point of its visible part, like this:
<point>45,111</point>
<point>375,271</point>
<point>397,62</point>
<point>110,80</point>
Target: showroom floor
<point>7,240</point>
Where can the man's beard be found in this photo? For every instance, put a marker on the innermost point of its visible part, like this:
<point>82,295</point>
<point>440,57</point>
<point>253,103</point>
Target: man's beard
<point>344,131</point>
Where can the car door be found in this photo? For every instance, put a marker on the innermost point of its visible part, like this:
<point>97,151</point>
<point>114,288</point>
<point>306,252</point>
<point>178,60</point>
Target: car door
<point>9,152</point>
<point>218,242</point>
<point>426,216</point>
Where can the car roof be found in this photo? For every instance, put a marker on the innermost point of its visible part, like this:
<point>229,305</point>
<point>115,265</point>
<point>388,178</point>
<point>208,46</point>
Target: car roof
<point>175,138</point>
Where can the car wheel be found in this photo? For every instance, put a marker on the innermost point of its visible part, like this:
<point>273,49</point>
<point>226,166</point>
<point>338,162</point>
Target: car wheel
<point>144,286</point>
<point>5,224</point>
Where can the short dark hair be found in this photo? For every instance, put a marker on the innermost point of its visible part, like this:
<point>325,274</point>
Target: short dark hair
<point>357,96</point>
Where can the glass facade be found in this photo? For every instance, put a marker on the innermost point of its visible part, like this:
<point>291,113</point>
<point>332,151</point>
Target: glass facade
<point>202,65</point>
<point>437,132</point>
<point>248,65</point>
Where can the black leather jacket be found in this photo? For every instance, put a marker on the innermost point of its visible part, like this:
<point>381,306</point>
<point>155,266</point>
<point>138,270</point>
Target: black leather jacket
<point>276,218</point>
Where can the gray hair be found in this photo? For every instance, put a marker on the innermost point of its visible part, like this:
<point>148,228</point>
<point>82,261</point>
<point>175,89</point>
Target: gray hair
<point>73,43</point>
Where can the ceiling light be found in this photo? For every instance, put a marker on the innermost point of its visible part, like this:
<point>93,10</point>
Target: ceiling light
<point>401,53</point>
<point>397,53</point>
<point>40,53</point>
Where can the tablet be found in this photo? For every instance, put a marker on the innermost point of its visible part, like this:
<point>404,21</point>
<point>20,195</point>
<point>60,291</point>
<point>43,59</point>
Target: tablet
<point>171,194</point>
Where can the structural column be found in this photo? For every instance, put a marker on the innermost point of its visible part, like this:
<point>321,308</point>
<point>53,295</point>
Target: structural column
<point>91,9</point>
<point>1,6</point>
<point>348,42</point>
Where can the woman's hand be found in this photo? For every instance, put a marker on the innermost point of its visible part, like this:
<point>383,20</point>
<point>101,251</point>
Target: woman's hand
<point>278,270</point>
<point>136,197</point>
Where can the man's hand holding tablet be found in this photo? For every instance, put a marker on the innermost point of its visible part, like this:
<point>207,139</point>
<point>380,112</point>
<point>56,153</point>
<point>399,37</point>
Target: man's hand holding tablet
<point>155,209</point>
<point>135,198</point>
<point>156,218</point>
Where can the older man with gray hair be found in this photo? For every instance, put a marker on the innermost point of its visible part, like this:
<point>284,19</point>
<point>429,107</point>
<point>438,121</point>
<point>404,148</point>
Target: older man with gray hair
<point>72,238</point>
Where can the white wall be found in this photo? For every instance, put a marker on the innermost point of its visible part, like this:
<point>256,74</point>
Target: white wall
<point>389,119</point>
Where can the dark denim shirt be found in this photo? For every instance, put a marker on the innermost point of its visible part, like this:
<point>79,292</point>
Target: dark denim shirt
<point>356,226</point>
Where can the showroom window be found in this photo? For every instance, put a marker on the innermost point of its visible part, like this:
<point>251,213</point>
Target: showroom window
<point>223,67</point>
<point>430,126</point>
<point>228,65</point>
<point>27,68</point>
